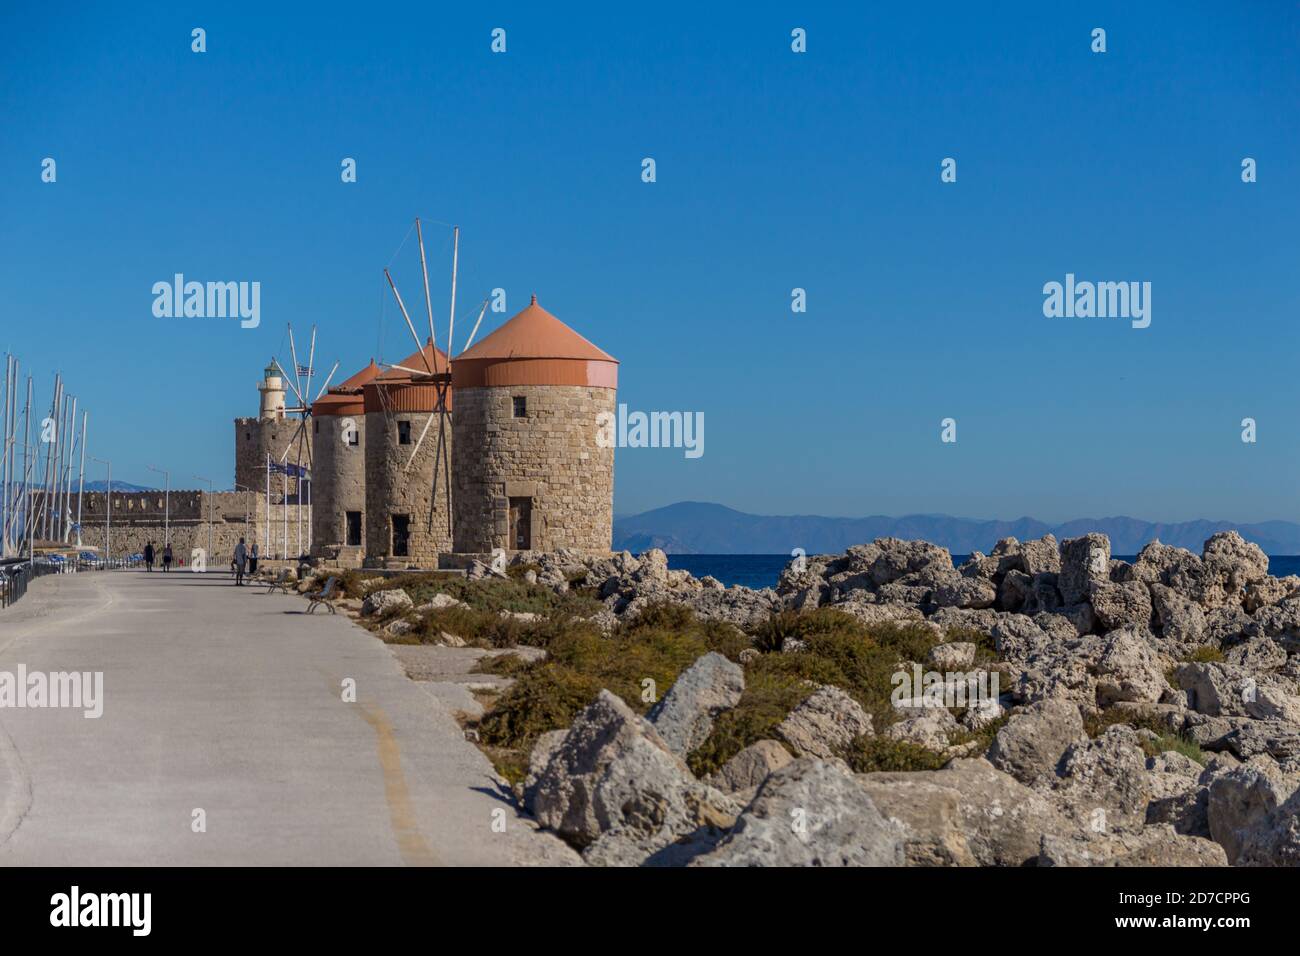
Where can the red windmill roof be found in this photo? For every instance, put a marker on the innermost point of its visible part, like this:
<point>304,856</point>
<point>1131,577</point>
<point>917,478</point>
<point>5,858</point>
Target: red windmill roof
<point>535,334</point>
<point>345,398</point>
<point>437,360</point>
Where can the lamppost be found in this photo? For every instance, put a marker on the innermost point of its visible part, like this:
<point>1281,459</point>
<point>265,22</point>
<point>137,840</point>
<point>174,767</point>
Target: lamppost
<point>108,520</point>
<point>167,504</point>
<point>208,502</point>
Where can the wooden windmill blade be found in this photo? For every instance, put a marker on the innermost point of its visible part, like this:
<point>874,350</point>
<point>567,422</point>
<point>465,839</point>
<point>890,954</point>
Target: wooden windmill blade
<point>405,315</point>
<point>328,379</point>
<point>284,375</point>
<point>297,434</point>
<point>293,352</point>
<point>477,323</point>
<point>311,363</point>
<point>419,441</point>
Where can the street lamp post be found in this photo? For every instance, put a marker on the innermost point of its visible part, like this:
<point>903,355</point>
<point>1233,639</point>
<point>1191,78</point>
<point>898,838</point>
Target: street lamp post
<point>208,509</point>
<point>108,519</point>
<point>167,504</point>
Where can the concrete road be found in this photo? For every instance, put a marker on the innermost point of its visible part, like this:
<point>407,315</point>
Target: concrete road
<point>230,701</point>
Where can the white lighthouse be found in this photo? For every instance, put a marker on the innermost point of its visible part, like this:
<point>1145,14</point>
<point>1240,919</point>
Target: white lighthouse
<point>272,391</point>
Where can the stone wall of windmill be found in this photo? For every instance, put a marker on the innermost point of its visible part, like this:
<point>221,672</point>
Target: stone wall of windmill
<point>407,515</point>
<point>531,475</point>
<point>339,471</point>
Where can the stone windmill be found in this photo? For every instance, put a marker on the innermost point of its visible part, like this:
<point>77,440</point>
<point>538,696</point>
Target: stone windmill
<point>434,373</point>
<point>298,448</point>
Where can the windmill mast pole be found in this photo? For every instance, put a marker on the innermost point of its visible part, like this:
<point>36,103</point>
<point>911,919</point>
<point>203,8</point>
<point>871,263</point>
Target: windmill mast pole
<point>428,302</point>
<point>455,256</point>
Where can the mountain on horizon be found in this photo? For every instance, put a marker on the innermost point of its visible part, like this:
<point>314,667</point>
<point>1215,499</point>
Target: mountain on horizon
<point>699,527</point>
<point>123,486</point>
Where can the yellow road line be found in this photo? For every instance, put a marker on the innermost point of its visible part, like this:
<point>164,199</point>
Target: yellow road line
<point>410,842</point>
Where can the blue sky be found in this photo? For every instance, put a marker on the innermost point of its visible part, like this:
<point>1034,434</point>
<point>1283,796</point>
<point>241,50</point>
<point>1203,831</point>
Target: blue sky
<point>774,170</point>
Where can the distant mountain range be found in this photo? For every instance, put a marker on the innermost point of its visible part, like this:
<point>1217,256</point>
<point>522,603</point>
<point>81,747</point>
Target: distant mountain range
<point>117,486</point>
<point>697,527</point>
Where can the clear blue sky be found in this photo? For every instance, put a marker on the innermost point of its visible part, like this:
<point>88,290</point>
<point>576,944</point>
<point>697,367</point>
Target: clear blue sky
<point>775,170</point>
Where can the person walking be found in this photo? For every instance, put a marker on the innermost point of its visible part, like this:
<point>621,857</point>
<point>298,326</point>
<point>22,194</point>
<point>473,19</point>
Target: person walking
<point>148,556</point>
<point>167,556</point>
<point>241,558</point>
<point>252,561</point>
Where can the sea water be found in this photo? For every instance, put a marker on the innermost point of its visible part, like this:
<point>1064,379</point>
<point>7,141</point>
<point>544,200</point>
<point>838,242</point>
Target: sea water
<point>762,570</point>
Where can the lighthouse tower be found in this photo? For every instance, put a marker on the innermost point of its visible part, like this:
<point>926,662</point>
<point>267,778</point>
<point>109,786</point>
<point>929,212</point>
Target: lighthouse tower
<point>272,391</point>
<point>270,433</point>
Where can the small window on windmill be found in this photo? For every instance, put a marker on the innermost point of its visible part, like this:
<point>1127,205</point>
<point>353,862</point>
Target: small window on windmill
<point>520,406</point>
<point>403,433</point>
<point>248,436</point>
<point>315,427</point>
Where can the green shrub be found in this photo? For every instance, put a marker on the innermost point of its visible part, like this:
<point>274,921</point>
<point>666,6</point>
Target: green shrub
<point>581,660</point>
<point>874,754</point>
<point>771,635</point>
<point>352,582</point>
<point>517,572</point>
<point>548,697</point>
<point>503,665</point>
<point>840,650</point>
<point>1097,724</point>
<point>1177,742</point>
<point>1206,654</point>
<point>769,697</point>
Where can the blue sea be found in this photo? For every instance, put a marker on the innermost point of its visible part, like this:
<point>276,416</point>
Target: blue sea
<point>762,570</point>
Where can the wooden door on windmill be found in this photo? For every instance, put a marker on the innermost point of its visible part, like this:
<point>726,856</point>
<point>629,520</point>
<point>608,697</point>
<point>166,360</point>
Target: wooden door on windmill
<point>521,524</point>
<point>401,536</point>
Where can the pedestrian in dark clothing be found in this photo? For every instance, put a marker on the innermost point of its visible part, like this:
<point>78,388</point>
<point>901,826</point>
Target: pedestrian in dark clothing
<point>167,557</point>
<point>252,561</point>
<point>241,558</point>
<point>148,556</point>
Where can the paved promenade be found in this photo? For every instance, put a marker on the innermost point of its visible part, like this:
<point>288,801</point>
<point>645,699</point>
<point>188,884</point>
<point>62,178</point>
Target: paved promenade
<point>229,700</point>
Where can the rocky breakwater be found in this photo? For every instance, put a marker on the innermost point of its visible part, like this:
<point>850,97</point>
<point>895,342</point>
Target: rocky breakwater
<point>1149,714</point>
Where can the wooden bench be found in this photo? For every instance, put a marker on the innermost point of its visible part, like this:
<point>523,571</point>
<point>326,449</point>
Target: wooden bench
<point>281,583</point>
<point>324,596</point>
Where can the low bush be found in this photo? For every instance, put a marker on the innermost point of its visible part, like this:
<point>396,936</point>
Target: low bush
<point>1176,742</point>
<point>580,661</point>
<point>876,754</point>
<point>840,650</point>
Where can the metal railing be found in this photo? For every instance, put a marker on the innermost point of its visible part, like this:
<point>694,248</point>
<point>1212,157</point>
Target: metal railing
<point>15,576</point>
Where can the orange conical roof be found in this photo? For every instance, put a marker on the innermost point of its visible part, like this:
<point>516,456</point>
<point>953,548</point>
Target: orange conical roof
<point>345,398</point>
<point>359,379</point>
<point>436,360</point>
<point>400,390</point>
<point>535,334</point>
